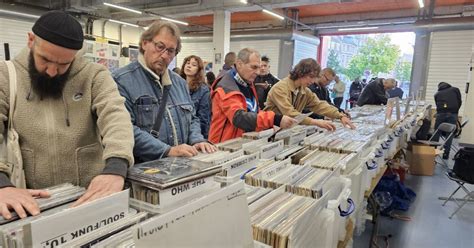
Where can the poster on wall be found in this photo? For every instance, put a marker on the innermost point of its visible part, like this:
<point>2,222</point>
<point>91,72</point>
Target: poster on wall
<point>133,54</point>
<point>114,51</point>
<point>101,47</point>
<point>89,48</point>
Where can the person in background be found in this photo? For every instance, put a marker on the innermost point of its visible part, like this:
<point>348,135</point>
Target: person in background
<point>264,81</point>
<point>364,82</point>
<point>319,87</point>
<point>375,93</point>
<point>448,102</point>
<point>142,83</point>
<point>234,102</point>
<point>177,70</point>
<point>354,91</point>
<point>193,71</point>
<point>210,78</point>
<point>229,61</point>
<point>291,95</point>
<point>396,92</point>
<point>338,89</point>
<point>70,117</point>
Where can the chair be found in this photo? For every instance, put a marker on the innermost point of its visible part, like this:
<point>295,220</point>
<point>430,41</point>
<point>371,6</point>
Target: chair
<point>455,147</point>
<point>468,197</point>
<point>448,129</point>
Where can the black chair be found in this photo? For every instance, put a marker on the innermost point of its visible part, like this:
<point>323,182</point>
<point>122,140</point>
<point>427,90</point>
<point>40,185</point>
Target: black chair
<point>460,202</point>
<point>448,129</point>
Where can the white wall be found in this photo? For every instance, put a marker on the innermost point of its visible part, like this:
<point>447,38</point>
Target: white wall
<point>271,48</point>
<point>130,35</point>
<point>449,58</point>
<point>15,33</point>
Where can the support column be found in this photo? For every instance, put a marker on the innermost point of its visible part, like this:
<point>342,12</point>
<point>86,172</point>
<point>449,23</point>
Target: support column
<point>420,63</point>
<point>220,38</point>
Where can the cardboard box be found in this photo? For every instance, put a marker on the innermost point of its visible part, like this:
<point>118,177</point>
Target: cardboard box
<point>421,159</point>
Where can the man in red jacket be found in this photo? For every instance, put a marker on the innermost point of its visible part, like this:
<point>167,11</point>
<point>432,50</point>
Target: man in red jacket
<point>235,104</point>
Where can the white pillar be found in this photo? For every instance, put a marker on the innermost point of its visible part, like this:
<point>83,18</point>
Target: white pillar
<point>220,38</point>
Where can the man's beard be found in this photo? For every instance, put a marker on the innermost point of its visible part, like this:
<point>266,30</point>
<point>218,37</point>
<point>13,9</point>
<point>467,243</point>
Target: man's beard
<point>44,85</point>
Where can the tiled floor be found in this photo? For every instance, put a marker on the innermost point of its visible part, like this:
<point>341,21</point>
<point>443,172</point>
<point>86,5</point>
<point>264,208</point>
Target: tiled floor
<point>430,225</point>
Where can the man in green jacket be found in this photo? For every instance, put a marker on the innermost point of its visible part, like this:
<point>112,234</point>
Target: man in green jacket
<point>70,117</point>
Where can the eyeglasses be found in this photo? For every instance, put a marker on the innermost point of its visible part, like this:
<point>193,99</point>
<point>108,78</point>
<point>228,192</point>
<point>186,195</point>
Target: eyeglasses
<point>160,47</point>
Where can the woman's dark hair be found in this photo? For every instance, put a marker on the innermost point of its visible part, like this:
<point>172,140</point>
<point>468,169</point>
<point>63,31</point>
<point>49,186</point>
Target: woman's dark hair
<point>304,68</point>
<point>210,77</point>
<point>199,77</point>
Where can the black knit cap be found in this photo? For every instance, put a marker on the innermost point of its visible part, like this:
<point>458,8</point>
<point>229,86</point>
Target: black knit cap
<point>60,28</point>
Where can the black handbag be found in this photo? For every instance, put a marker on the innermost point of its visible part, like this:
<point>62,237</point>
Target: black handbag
<point>464,164</point>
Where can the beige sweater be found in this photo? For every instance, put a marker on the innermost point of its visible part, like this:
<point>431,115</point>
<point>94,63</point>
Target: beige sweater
<point>282,100</point>
<point>53,152</point>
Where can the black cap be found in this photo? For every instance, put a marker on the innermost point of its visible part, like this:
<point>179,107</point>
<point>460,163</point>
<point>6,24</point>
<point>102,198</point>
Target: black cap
<point>60,28</point>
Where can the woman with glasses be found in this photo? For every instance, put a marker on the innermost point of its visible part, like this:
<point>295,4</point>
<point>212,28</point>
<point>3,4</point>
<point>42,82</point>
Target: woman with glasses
<point>193,71</point>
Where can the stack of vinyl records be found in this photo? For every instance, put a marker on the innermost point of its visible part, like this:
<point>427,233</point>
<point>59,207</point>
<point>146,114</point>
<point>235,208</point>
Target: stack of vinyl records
<point>274,222</point>
<point>301,180</point>
<point>11,231</point>
<point>150,178</point>
<point>233,145</point>
<point>111,235</point>
<point>60,194</point>
<point>218,157</point>
<point>258,135</point>
<point>333,143</point>
<point>328,160</point>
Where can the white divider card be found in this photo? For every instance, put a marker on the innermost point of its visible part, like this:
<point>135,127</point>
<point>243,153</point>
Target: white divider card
<point>240,165</point>
<point>271,150</point>
<point>58,229</point>
<point>182,191</point>
<point>220,219</point>
<point>296,138</point>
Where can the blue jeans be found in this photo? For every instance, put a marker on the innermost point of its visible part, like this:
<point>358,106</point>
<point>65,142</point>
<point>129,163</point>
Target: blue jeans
<point>449,118</point>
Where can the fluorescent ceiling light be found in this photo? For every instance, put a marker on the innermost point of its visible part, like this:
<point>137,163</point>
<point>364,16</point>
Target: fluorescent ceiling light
<point>175,21</point>
<point>421,3</point>
<point>274,14</point>
<point>354,29</point>
<point>18,14</point>
<point>123,8</point>
<point>124,23</point>
<point>244,1</point>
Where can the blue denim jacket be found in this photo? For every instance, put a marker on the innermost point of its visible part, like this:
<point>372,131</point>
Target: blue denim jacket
<point>202,103</point>
<point>142,92</point>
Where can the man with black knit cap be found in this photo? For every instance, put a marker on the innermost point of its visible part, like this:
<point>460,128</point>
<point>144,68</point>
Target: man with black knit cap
<point>71,119</point>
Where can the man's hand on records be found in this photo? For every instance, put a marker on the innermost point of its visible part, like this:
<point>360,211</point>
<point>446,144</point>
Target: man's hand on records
<point>20,200</point>
<point>324,124</point>
<point>101,186</point>
<point>205,147</point>
<point>183,150</point>
<point>347,122</point>
<point>287,122</point>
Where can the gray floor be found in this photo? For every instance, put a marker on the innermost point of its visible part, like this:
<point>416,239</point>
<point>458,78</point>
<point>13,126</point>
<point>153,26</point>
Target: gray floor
<point>430,225</point>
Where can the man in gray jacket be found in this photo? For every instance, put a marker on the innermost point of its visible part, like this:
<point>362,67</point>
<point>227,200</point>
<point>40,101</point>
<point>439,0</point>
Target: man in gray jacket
<point>142,83</point>
<point>70,117</point>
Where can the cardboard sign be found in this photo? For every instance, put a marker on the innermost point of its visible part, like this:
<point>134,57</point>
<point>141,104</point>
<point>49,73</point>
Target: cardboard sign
<point>58,229</point>
<point>220,219</point>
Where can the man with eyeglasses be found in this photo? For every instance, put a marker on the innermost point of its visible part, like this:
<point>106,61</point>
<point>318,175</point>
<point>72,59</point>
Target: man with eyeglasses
<point>235,104</point>
<point>145,83</point>
<point>319,87</point>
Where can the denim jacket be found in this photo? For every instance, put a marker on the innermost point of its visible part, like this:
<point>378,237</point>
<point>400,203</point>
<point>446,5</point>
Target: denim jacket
<point>202,103</point>
<point>142,91</point>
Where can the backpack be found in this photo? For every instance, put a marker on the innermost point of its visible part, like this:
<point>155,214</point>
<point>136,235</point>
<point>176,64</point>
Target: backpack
<point>464,164</point>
